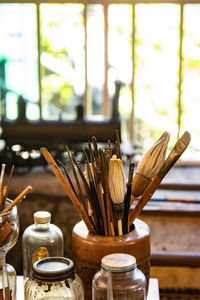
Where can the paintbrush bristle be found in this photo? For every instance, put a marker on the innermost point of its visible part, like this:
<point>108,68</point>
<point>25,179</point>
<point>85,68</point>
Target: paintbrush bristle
<point>153,159</point>
<point>116,180</point>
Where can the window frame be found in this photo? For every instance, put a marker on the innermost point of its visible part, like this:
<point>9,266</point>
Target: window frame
<point>106,4</point>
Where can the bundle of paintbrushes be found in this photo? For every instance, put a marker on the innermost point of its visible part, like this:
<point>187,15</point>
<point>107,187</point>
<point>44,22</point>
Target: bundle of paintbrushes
<point>99,190</point>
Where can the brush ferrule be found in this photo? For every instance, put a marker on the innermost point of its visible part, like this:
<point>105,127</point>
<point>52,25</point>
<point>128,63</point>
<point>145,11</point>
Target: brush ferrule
<point>118,210</point>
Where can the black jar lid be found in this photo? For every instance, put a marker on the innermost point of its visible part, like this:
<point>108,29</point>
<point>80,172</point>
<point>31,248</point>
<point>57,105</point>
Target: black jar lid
<point>54,269</point>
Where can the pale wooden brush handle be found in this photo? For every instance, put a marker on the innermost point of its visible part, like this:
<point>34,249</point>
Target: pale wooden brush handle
<point>19,198</point>
<point>68,189</point>
<point>154,184</point>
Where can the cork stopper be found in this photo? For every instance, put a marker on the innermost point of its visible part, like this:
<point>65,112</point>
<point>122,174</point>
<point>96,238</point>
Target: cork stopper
<point>118,262</point>
<point>42,217</point>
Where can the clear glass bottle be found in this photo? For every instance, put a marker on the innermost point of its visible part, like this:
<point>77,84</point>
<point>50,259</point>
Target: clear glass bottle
<point>119,279</point>
<point>41,239</point>
<point>54,278</point>
<point>12,277</point>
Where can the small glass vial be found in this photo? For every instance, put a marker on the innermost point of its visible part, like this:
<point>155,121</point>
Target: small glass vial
<point>41,239</point>
<point>54,278</point>
<point>119,279</point>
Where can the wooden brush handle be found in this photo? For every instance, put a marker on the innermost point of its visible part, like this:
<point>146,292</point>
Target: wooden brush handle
<point>68,189</point>
<point>19,198</point>
<point>154,184</point>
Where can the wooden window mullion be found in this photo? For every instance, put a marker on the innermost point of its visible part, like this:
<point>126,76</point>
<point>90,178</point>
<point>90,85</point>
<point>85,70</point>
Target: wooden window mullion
<point>180,70</point>
<point>105,93</point>
<point>85,104</point>
<point>39,55</point>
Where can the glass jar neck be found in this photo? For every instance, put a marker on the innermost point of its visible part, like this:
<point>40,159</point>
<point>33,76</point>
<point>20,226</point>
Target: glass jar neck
<point>42,226</point>
<point>119,273</point>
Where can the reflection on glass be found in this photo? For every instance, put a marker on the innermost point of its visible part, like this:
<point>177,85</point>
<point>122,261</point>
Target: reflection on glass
<point>95,58</point>
<point>62,59</point>
<point>18,58</point>
<point>120,20</point>
<point>191,77</point>
<point>157,67</point>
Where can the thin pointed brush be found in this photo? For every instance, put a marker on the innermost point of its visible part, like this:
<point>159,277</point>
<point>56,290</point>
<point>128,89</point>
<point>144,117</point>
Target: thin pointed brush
<point>103,174</point>
<point>127,199</point>
<point>81,173</point>
<point>99,189</point>
<point>3,166</point>
<point>95,200</point>
<point>77,181</point>
<point>91,205</point>
<point>102,203</point>
<point>67,187</point>
<point>96,151</point>
<point>87,192</point>
<point>92,160</point>
<point>107,158</point>
<point>93,193</point>
<point>67,175</point>
<point>118,150</point>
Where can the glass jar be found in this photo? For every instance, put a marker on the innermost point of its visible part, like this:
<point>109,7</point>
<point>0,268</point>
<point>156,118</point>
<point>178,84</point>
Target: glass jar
<point>119,279</point>
<point>54,278</point>
<point>41,239</point>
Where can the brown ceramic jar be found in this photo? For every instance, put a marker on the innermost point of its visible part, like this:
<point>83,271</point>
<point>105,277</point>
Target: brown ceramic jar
<point>89,249</point>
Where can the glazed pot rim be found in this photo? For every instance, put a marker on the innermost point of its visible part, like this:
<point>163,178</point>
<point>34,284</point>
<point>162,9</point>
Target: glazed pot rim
<point>80,230</point>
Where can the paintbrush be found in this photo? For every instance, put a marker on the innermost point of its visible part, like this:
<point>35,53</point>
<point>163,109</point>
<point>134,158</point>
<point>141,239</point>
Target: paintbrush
<point>149,165</point>
<point>117,188</point>
<point>82,198</point>
<point>117,143</point>
<point>67,187</point>
<point>173,156</point>
<point>67,176</point>
<point>95,201</point>
<point>128,198</point>
<point>3,166</point>
<point>6,188</point>
<point>17,200</point>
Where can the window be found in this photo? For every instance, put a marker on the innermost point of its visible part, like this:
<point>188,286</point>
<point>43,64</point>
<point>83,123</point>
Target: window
<point>59,55</point>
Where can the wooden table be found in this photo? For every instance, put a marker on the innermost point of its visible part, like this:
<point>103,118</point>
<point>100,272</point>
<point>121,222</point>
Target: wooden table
<point>153,293</point>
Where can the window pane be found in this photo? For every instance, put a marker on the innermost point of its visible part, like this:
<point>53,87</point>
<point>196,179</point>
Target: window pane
<point>62,59</point>
<point>120,59</point>
<point>18,58</point>
<point>191,77</point>
<point>157,67</point>
<point>95,58</point>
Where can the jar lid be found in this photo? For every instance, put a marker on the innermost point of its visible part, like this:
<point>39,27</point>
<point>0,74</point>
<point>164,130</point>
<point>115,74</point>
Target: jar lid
<point>118,262</point>
<point>42,217</point>
<point>53,268</point>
